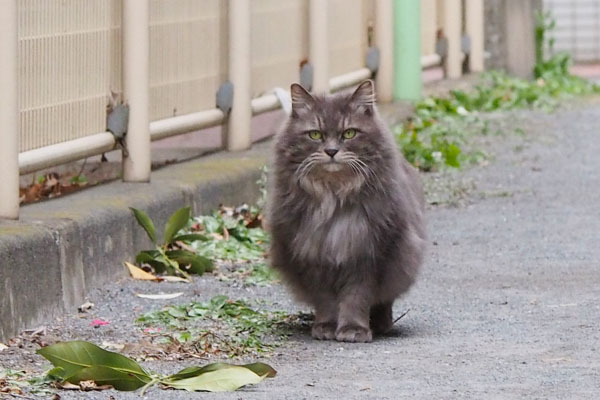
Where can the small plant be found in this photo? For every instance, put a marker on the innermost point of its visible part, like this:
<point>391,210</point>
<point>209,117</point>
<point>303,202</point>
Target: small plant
<point>232,234</point>
<point>544,24</point>
<point>172,256</point>
<point>80,180</point>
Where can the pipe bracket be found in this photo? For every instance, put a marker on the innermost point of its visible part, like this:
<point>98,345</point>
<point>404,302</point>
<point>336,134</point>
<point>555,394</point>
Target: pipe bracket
<point>225,97</point>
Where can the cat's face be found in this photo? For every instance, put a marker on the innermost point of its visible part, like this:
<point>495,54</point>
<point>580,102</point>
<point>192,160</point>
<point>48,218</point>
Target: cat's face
<point>332,137</point>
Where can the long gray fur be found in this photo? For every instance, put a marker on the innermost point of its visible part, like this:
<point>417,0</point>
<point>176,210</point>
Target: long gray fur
<point>348,230</point>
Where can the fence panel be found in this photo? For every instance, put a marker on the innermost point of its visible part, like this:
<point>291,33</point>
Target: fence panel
<point>188,55</point>
<point>429,26</point>
<point>279,43</point>
<point>68,62</point>
<point>348,34</point>
<point>577,28</point>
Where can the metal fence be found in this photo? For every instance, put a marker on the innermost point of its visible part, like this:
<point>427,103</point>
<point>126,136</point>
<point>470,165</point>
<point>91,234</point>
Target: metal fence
<point>577,30</point>
<point>63,60</point>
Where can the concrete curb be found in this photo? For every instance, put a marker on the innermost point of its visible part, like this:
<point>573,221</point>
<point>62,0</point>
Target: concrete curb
<point>60,249</point>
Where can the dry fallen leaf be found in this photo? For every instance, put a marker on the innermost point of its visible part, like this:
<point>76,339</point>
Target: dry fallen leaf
<point>83,385</point>
<point>91,385</point>
<point>3,346</point>
<point>85,307</point>
<point>160,296</point>
<point>225,234</point>
<point>67,386</point>
<point>113,346</point>
<point>140,274</point>
<point>170,278</point>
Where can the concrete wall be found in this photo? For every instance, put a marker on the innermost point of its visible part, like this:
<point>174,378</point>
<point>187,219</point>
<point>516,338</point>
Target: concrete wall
<point>497,26</point>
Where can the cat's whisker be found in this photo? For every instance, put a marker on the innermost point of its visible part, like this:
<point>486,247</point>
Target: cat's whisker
<point>364,173</point>
<point>306,166</point>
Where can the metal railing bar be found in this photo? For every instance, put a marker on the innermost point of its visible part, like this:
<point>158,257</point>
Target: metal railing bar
<point>431,60</point>
<point>61,153</point>
<point>167,127</point>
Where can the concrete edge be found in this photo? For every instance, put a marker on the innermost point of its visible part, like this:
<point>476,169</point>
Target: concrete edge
<point>61,249</point>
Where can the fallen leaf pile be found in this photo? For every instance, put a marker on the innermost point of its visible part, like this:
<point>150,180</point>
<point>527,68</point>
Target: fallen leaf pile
<point>49,186</point>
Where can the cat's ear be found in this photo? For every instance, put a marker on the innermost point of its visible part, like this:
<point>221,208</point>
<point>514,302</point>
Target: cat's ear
<point>301,99</point>
<point>363,97</point>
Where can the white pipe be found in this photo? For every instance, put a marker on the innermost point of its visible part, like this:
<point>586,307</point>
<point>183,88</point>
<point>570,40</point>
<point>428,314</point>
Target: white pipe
<point>268,102</point>
<point>431,60</point>
<point>136,159</point>
<point>9,111</point>
<point>185,123</point>
<point>60,153</point>
<point>474,28</point>
<point>384,40</point>
<point>452,30</point>
<point>318,44</point>
<point>237,135</point>
<point>350,79</point>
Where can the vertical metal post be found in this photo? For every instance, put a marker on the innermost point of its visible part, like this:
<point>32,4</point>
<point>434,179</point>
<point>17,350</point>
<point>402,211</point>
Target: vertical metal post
<point>318,44</point>
<point>452,29</point>
<point>136,58</point>
<point>408,82</point>
<point>237,135</point>
<point>9,112</point>
<point>384,40</point>
<point>474,27</point>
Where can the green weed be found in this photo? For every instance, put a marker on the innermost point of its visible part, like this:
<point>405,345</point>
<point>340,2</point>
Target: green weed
<point>224,326</point>
<point>232,235</point>
<point>15,383</point>
<point>439,132</point>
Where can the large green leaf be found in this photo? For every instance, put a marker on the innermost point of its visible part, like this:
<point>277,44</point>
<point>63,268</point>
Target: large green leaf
<point>258,368</point>
<point>152,258</point>
<point>81,360</point>
<point>191,237</point>
<point>261,369</point>
<point>176,222</point>
<point>144,220</point>
<point>224,379</point>
<point>197,264</point>
<point>103,375</point>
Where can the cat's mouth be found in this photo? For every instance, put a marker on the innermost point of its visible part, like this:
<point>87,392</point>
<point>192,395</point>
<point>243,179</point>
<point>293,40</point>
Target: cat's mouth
<point>332,166</point>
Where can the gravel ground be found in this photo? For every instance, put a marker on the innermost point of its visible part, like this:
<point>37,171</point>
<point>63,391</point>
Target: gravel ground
<point>507,305</point>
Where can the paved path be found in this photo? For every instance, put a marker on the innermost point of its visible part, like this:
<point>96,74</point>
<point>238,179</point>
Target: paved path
<point>508,304</point>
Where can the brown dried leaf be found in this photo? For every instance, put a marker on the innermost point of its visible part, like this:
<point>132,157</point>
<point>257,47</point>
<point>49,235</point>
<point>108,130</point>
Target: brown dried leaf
<point>225,234</point>
<point>140,274</point>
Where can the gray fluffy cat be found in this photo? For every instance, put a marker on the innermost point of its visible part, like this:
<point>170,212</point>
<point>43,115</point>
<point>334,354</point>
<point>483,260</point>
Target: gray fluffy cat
<point>345,212</point>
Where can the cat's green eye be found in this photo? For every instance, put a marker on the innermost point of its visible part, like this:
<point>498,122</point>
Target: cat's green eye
<point>349,133</point>
<point>315,135</point>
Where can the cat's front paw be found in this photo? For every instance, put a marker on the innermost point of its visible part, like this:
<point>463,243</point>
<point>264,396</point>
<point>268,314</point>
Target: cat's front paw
<point>323,330</point>
<point>353,333</point>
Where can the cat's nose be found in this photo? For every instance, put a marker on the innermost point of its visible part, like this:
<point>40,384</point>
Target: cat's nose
<point>331,152</point>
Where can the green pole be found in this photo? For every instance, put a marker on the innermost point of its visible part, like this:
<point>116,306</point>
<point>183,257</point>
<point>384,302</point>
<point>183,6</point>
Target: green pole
<point>408,81</point>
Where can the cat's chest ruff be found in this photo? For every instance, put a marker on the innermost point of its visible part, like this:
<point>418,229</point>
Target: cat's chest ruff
<point>333,234</point>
